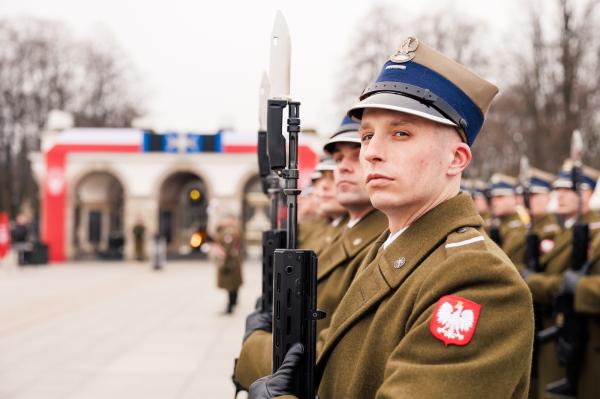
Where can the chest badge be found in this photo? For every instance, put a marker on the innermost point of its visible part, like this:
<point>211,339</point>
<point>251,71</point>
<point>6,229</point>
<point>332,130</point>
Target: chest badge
<point>546,245</point>
<point>454,320</point>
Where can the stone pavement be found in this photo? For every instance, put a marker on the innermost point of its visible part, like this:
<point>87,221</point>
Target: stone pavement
<point>119,330</point>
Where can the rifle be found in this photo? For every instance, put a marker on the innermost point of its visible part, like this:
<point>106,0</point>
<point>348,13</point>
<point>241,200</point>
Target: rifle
<point>275,237</point>
<point>295,271</point>
<point>570,330</point>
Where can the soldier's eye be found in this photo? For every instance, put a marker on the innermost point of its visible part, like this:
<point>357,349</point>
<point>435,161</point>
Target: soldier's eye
<point>401,133</point>
<point>366,137</point>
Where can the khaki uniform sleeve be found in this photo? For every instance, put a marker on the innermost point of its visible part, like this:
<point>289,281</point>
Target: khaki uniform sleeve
<point>494,364</point>
<point>544,287</point>
<point>587,295</point>
<point>255,358</point>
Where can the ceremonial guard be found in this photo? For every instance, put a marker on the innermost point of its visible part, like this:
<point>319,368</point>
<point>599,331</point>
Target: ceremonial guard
<point>431,312</point>
<point>544,285</point>
<point>543,223</point>
<point>317,234</point>
<point>339,261</point>
<point>504,201</point>
<point>227,251</point>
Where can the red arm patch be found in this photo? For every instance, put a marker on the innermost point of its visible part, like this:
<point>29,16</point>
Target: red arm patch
<point>454,320</point>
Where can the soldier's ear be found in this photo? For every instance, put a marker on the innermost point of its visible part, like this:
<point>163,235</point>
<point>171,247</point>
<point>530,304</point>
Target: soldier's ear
<point>461,159</point>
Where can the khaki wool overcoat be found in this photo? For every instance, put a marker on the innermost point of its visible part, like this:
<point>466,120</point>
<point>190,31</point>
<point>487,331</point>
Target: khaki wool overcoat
<point>380,344</point>
<point>544,286</point>
<point>325,236</point>
<point>336,268</point>
<point>512,231</point>
<point>546,228</point>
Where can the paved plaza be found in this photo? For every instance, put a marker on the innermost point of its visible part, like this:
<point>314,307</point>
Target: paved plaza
<point>119,330</point>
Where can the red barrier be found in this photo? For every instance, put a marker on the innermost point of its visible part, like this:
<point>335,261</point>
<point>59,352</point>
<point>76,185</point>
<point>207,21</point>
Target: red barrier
<point>4,234</point>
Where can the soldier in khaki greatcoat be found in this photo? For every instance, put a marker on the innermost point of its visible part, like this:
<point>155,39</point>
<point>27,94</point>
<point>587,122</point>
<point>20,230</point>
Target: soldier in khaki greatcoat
<point>339,261</point>
<point>504,201</point>
<point>545,284</point>
<point>436,310</point>
<point>543,223</point>
<point>322,231</point>
<point>227,252</point>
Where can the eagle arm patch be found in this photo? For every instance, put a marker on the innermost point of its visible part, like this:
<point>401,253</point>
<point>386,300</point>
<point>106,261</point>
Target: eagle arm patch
<point>454,320</point>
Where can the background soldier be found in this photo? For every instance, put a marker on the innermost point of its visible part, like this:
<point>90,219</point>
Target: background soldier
<point>426,315</point>
<point>338,262</point>
<point>227,252</point>
<point>504,200</point>
<point>544,224</point>
<point>318,235</point>
<point>545,285</point>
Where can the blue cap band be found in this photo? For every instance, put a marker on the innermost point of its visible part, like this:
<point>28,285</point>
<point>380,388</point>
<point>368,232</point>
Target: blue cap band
<point>418,75</point>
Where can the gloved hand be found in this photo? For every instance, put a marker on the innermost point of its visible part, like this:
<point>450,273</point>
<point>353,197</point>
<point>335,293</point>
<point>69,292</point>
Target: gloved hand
<point>258,320</point>
<point>280,383</point>
<point>570,280</point>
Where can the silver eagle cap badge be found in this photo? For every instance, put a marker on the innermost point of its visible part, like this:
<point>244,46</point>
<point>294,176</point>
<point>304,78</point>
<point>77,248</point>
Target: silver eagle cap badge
<point>407,50</point>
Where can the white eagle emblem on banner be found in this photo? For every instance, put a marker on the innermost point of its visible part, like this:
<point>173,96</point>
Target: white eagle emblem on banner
<point>454,320</point>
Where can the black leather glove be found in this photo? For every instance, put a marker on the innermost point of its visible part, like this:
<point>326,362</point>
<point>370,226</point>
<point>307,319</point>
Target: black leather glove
<point>570,280</point>
<point>280,383</point>
<point>258,320</point>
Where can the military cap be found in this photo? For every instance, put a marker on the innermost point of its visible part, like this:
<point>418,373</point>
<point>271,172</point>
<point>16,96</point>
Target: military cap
<point>325,164</point>
<point>479,187</point>
<point>346,133</point>
<point>540,181</point>
<point>589,176</point>
<point>421,81</point>
<point>502,185</point>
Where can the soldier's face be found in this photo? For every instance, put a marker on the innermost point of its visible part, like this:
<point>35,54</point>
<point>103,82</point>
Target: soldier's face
<point>325,194</point>
<point>568,201</point>
<point>410,163</point>
<point>504,204</point>
<point>351,190</point>
<point>539,203</point>
<point>481,204</point>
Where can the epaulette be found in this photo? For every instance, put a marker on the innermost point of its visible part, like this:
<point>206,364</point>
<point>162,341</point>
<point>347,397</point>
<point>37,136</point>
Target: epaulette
<point>465,236</point>
<point>551,228</point>
<point>514,224</point>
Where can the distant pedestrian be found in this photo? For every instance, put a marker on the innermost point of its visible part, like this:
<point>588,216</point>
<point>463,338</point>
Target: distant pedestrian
<point>227,252</point>
<point>139,237</point>
<point>19,236</point>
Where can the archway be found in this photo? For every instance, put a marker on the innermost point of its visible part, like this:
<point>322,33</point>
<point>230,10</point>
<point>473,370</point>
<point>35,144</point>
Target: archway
<point>182,214</point>
<point>98,217</point>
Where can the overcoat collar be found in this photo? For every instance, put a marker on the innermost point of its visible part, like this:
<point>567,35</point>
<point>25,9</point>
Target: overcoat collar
<point>379,277</point>
<point>351,242</point>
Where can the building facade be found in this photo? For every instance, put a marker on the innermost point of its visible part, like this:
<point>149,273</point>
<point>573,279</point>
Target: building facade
<point>97,185</point>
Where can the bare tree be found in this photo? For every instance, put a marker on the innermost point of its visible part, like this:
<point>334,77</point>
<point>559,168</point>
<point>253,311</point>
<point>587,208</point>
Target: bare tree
<point>554,92</point>
<point>42,67</point>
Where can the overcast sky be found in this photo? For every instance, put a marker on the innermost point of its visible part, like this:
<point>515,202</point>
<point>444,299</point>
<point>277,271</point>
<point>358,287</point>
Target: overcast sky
<point>201,61</point>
